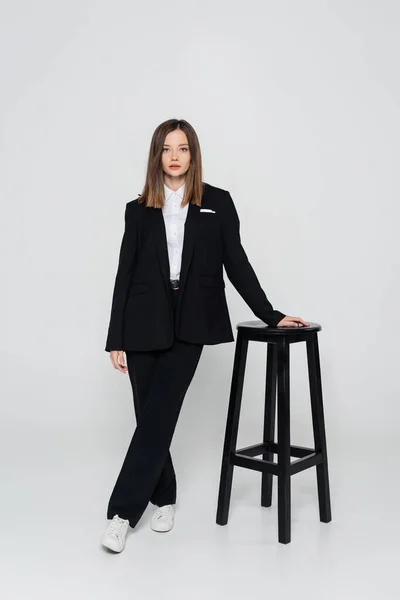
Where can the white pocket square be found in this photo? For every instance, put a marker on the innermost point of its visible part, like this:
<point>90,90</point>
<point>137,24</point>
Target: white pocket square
<point>207,210</point>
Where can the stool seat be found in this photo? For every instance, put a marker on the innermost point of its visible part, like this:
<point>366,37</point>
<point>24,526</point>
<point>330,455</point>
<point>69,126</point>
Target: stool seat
<point>277,395</point>
<point>261,328</point>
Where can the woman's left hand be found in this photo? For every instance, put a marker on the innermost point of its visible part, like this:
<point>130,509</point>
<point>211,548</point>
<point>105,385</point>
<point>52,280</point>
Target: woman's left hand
<point>289,321</point>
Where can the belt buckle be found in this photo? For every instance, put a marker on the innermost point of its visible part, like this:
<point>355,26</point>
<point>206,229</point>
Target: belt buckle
<point>174,284</point>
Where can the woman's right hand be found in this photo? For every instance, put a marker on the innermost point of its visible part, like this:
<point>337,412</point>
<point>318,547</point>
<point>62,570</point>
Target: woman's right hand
<point>118,360</point>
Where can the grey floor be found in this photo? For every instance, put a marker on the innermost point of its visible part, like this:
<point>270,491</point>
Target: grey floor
<point>53,512</point>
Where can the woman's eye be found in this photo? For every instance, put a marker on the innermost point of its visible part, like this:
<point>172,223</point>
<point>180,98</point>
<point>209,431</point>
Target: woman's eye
<point>186,149</point>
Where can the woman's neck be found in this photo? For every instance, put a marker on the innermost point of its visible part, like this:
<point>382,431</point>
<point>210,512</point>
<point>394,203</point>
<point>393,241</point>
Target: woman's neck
<point>174,183</point>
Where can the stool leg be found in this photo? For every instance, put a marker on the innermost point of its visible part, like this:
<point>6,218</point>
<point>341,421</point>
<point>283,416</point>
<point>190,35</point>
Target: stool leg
<point>284,492</point>
<point>232,426</point>
<point>314,373</point>
<point>269,421</point>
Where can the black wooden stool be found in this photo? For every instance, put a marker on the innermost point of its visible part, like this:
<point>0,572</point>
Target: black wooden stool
<point>278,342</point>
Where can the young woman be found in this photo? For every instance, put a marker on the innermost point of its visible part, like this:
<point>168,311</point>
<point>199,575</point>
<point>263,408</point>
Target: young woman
<point>168,301</point>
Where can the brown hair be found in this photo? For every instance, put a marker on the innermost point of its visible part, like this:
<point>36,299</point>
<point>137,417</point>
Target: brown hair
<point>153,190</point>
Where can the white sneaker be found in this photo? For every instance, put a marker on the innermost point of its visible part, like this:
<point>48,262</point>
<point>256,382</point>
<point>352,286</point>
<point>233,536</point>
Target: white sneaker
<point>115,534</point>
<point>163,518</point>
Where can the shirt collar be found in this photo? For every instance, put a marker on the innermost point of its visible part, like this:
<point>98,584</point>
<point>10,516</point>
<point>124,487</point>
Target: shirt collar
<point>168,192</point>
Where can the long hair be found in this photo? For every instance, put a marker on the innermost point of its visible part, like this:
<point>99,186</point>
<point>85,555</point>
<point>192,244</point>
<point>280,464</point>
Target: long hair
<point>153,190</point>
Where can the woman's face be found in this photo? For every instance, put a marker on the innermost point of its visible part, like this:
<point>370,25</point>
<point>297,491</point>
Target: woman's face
<point>176,152</point>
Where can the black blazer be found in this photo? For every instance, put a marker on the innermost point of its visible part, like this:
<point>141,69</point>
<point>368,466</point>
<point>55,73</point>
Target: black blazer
<point>141,310</point>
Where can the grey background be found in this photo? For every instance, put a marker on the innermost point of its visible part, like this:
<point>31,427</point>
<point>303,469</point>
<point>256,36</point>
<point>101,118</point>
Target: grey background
<point>296,105</point>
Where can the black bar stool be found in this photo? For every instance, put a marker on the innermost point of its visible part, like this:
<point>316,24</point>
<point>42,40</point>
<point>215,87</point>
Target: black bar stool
<point>277,372</point>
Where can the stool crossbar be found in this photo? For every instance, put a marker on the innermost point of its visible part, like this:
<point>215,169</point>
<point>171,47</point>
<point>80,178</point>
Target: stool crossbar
<point>277,396</point>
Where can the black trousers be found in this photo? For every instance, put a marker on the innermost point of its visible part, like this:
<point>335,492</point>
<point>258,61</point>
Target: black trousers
<point>159,379</point>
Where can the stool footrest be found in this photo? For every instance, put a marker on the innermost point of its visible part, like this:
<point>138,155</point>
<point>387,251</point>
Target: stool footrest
<point>244,457</point>
<point>263,448</point>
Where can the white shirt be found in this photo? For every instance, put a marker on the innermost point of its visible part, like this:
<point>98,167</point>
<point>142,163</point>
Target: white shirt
<point>174,219</point>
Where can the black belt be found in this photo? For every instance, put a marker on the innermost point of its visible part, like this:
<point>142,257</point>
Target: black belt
<point>174,284</point>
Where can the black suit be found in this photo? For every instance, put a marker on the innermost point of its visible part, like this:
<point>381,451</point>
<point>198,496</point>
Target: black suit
<point>142,313</point>
<point>163,331</point>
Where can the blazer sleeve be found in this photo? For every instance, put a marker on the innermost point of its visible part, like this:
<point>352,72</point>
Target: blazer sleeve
<point>240,271</point>
<point>127,256</point>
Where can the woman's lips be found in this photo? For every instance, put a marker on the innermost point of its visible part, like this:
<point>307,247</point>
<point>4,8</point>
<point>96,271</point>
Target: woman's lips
<point>175,166</point>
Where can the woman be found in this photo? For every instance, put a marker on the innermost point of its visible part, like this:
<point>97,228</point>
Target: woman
<point>168,301</point>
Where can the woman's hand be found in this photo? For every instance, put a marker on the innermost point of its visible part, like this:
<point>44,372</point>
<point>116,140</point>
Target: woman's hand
<point>289,321</point>
<point>118,360</point>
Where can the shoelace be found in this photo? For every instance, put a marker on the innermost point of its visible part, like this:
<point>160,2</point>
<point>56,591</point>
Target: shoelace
<point>164,510</point>
<point>117,526</point>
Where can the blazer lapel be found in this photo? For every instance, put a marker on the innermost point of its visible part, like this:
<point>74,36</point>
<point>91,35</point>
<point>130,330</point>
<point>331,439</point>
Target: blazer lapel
<point>188,242</point>
<point>160,238</point>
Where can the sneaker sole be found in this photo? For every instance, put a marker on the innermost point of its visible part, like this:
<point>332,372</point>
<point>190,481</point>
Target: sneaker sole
<point>110,546</point>
<point>162,530</point>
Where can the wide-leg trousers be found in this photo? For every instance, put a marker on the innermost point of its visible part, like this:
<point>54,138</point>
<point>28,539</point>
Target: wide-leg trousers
<point>159,380</point>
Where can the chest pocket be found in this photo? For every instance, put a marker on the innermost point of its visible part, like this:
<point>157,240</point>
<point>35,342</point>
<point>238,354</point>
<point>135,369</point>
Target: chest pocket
<point>208,225</point>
